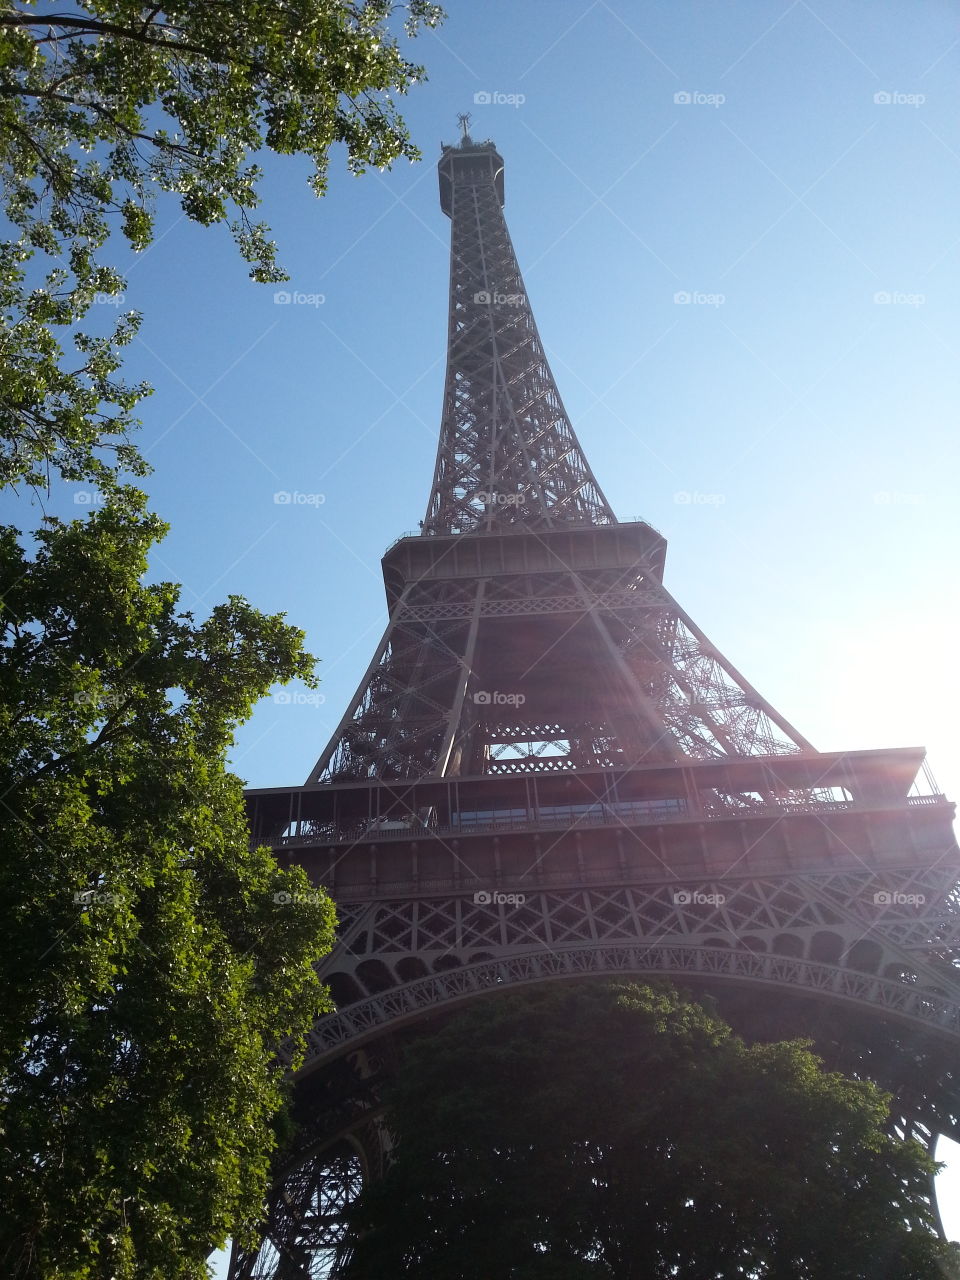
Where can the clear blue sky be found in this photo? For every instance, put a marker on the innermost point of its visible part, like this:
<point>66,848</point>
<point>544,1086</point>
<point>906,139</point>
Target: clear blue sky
<point>797,402</point>
<point>815,423</point>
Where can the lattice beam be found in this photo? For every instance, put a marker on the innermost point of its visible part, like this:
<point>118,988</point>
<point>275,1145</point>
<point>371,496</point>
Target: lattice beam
<point>507,453</point>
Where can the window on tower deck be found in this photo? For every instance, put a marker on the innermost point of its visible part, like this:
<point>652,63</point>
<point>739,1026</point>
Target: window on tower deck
<point>469,818</point>
<point>656,809</point>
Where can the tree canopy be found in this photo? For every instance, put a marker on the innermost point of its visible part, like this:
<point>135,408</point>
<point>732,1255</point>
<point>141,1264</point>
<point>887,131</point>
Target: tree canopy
<point>152,962</point>
<point>620,1132</point>
<point>105,105</point>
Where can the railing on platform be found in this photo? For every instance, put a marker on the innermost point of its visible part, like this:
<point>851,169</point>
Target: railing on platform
<point>641,813</point>
<point>411,533</point>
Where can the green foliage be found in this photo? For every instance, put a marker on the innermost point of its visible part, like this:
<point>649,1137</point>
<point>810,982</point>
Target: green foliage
<point>103,104</point>
<point>150,977</point>
<point>619,1132</point>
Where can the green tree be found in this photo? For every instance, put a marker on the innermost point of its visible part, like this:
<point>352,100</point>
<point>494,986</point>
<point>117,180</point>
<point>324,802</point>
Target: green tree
<point>103,105</point>
<point>619,1132</point>
<point>150,974</point>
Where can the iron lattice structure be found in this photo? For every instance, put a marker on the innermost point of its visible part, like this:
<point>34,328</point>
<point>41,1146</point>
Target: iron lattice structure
<point>520,557</point>
<point>548,772</point>
<point>507,453</point>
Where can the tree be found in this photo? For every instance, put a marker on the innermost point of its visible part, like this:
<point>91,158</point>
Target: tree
<point>104,105</point>
<point>614,1131</point>
<point>153,964</point>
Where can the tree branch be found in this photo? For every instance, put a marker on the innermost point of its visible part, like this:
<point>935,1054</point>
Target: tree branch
<point>88,26</point>
<point>105,734</point>
<point>16,91</point>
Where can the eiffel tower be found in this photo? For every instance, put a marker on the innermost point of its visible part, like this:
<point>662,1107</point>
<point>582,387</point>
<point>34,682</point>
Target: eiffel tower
<point>549,772</point>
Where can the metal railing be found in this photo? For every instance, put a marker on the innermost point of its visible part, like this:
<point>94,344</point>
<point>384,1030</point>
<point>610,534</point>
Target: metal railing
<point>624,814</point>
<point>411,533</point>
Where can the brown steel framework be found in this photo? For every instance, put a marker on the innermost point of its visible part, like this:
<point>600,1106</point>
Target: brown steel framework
<point>548,772</point>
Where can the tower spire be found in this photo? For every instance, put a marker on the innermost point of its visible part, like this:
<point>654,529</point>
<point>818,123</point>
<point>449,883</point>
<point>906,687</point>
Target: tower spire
<point>508,454</point>
<point>609,670</point>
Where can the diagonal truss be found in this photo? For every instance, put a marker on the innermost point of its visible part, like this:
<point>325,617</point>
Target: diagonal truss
<point>509,465</point>
<point>876,985</point>
<point>507,450</point>
<point>652,684</point>
<point>308,1238</point>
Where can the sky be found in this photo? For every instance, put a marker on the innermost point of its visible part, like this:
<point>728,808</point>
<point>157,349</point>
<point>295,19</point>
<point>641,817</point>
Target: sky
<point>738,230</point>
